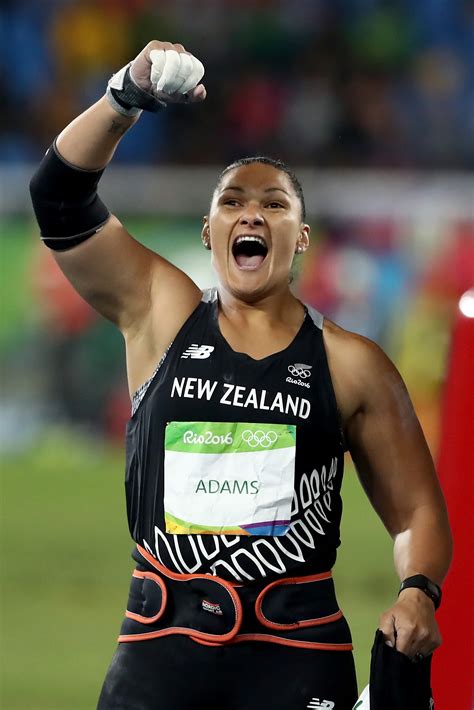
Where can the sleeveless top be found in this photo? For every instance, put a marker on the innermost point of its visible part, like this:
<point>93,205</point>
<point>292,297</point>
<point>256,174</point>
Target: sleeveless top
<point>202,381</point>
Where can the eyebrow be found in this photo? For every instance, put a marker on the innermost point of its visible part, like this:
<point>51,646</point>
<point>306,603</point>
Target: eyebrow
<point>237,188</point>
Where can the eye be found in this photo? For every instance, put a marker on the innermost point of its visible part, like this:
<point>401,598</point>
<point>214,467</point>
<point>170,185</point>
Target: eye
<point>275,205</point>
<point>231,202</point>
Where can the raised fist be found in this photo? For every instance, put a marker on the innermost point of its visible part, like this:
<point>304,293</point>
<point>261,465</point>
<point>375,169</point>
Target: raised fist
<point>169,72</point>
<point>162,73</point>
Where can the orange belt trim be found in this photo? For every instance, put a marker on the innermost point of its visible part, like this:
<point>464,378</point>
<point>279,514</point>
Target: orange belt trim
<point>208,639</point>
<point>228,586</point>
<point>316,645</point>
<point>138,574</point>
<point>297,624</point>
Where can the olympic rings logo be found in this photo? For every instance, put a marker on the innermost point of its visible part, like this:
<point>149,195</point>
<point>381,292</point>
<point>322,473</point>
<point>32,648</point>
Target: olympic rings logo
<point>259,438</point>
<point>300,370</point>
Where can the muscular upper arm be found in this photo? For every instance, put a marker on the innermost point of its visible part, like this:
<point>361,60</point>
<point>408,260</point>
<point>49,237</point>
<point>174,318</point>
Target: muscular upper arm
<point>384,435</point>
<point>127,282</point>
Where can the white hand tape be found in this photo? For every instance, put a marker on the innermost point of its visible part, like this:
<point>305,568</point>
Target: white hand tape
<point>174,72</point>
<point>167,80</point>
<point>194,77</point>
<point>185,69</point>
<point>116,82</point>
<point>158,60</point>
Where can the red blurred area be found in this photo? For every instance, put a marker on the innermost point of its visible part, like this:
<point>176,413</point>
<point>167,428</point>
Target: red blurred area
<point>62,309</point>
<point>453,663</point>
<point>452,271</point>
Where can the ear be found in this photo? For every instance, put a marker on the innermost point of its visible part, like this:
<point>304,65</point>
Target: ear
<point>205,233</point>
<point>302,242</point>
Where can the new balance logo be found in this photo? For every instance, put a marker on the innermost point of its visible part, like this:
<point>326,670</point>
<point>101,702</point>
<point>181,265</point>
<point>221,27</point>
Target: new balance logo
<point>198,352</point>
<point>317,704</point>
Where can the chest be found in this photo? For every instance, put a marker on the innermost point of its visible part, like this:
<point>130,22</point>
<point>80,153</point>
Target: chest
<point>257,342</point>
<point>203,379</point>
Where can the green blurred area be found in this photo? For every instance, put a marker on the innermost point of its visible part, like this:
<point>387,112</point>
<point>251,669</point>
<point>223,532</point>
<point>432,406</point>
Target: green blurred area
<point>15,293</point>
<point>65,572</point>
<point>66,568</point>
<point>19,246</point>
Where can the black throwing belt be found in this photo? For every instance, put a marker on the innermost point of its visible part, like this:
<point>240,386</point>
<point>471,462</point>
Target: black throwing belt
<point>292,611</point>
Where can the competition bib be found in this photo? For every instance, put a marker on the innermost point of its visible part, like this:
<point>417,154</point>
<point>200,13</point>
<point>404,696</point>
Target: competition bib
<point>228,478</point>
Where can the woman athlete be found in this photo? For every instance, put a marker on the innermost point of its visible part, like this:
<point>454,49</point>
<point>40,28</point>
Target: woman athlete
<point>244,401</point>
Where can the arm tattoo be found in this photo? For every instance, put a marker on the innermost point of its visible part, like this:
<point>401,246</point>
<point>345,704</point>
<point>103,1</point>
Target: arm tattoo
<point>117,127</point>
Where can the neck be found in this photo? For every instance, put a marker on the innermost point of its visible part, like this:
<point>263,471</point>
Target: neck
<point>282,307</point>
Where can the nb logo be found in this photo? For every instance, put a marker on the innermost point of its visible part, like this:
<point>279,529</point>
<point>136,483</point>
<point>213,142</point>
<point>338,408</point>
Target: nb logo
<point>259,438</point>
<point>299,369</point>
<point>198,352</point>
<point>317,704</point>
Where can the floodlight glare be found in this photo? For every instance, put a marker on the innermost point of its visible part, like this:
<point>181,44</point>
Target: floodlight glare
<point>466,303</point>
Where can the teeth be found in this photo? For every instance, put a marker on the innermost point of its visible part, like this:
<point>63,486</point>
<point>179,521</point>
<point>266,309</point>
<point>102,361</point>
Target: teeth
<point>250,238</point>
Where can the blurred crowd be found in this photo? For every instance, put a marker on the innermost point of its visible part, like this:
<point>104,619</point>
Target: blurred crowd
<point>319,83</point>
<point>358,83</point>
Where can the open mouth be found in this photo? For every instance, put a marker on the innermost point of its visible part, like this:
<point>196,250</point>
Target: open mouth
<point>249,251</point>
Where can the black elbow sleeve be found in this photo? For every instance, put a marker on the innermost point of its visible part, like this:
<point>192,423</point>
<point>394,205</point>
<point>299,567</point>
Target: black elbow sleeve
<point>65,200</point>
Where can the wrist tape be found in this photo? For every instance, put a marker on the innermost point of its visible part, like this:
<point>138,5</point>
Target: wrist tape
<point>128,98</point>
<point>65,200</point>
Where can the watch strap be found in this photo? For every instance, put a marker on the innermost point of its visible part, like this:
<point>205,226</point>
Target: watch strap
<point>430,588</point>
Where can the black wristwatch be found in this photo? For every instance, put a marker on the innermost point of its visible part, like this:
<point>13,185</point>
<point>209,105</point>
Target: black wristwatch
<point>432,590</point>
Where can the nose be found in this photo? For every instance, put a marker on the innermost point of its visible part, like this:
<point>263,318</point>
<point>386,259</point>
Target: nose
<point>251,216</point>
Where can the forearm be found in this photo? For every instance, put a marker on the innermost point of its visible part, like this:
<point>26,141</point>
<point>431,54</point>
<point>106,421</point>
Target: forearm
<point>425,546</point>
<point>90,140</point>
<point>64,188</point>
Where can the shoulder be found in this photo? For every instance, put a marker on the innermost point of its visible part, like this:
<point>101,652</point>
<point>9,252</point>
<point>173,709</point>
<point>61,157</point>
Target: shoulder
<point>355,351</point>
<point>363,375</point>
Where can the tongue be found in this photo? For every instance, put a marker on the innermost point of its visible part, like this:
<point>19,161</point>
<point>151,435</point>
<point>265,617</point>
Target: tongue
<point>249,262</point>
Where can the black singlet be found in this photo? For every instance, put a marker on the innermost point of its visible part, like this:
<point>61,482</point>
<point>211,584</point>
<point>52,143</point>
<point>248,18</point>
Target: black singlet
<point>202,379</point>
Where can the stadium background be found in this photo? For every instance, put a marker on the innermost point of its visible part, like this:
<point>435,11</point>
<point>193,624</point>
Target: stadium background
<point>372,103</point>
